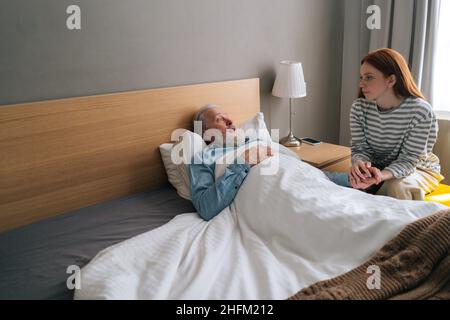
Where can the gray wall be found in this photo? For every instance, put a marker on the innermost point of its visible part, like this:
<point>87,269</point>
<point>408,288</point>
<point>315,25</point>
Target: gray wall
<point>139,44</point>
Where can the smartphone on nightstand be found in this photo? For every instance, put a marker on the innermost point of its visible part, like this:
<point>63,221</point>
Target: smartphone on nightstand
<point>311,141</point>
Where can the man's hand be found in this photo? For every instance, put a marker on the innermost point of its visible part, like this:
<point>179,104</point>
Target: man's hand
<point>257,154</point>
<point>362,184</point>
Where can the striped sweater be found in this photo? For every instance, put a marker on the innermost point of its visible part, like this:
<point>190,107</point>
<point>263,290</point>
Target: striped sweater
<point>399,140</point>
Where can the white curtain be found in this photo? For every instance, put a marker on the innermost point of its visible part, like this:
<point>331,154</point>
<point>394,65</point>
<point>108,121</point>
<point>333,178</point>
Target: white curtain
<point>408,26</point>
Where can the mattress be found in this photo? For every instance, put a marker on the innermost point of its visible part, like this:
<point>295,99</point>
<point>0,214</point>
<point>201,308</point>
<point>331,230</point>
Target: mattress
<point>34,258</point>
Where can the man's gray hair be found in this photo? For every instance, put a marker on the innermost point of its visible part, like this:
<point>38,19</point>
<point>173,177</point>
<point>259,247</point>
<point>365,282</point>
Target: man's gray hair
<point>200,115</point>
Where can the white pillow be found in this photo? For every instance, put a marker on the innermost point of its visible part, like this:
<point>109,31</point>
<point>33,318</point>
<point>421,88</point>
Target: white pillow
<point>172,170</point>
<point>257,125</point>
<point>176,157</point>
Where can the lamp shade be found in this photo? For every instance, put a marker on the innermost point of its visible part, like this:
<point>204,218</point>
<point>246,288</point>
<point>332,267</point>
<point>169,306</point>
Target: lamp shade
<point>290,82</point>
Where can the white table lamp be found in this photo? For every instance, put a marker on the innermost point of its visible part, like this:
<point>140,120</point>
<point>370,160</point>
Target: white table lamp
<point>290,83</point>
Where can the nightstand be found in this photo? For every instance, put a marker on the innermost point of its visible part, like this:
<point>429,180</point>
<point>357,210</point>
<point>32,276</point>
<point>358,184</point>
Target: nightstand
<point>325,156</point>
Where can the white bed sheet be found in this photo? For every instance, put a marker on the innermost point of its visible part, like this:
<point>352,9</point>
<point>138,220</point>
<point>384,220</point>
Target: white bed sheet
<point>282,233</point>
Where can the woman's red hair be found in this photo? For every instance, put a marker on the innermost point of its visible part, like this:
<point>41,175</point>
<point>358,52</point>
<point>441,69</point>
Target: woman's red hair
<point>390,62</point>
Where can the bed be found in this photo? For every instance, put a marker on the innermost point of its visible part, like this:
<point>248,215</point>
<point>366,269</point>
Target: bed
<point>92,165</point>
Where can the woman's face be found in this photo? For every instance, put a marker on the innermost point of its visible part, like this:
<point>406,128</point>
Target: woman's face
<point>372,82</point>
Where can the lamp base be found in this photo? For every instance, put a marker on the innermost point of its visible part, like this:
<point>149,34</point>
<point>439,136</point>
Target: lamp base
<point>291,141</point>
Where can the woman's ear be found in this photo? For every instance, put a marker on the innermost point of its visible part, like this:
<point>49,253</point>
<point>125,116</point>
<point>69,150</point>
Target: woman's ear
<point>392,80</point>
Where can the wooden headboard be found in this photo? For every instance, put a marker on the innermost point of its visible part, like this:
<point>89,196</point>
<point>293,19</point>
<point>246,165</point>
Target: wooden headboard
<point>61,155</point>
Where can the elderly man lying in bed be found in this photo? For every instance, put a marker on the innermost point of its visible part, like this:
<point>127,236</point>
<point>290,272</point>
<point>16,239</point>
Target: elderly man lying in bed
<point>209,195</point>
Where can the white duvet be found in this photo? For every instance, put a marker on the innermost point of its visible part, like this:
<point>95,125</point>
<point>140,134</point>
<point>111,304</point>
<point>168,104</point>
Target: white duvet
<point>282,233</point>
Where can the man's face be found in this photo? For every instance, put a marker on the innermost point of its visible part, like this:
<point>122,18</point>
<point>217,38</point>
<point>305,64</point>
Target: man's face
<point>217,119</point>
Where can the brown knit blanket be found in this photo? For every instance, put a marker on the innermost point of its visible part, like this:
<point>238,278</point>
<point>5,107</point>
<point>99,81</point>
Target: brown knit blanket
<point>414,265</point>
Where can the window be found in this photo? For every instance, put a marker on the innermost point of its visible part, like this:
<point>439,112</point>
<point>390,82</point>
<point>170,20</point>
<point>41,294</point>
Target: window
<point>441,83</point>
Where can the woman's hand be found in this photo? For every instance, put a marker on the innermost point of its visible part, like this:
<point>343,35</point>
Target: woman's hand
<point>360,171</point>
<point>363,175</point>
<point>376,173</point>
